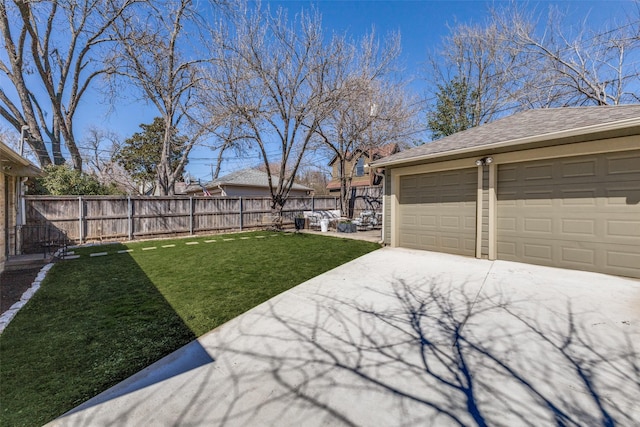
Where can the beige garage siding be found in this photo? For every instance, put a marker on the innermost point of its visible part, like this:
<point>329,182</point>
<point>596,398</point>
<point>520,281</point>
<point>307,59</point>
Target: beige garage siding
<point>437,211</point>
<point>578,212</point>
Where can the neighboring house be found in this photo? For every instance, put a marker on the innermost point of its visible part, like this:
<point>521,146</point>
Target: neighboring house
<point>247,182</point>
<point>13,169</point>
<point>556,187</point>
<point>363,175</point>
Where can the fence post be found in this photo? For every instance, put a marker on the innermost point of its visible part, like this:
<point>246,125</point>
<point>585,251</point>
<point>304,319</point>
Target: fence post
<point>80,217</point>
<point>241,219</point>
<point>191,216</point>
<point>130,217</point>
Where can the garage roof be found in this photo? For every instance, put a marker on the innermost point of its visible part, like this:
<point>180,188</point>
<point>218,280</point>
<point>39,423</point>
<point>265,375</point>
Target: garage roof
<point>531,126</point>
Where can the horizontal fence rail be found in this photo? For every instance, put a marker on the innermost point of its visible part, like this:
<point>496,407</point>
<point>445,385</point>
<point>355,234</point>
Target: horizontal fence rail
<point>98,218</point>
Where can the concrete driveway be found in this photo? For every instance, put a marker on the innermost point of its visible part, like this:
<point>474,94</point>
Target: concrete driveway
<point>403,338</point>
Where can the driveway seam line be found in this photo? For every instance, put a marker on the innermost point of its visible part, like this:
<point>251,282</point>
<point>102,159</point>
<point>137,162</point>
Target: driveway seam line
<point>486,276</point>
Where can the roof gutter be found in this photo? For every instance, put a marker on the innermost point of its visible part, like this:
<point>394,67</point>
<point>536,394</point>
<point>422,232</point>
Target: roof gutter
<point>603,127</point>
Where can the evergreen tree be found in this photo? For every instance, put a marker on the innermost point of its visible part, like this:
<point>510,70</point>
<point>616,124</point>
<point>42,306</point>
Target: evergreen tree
<point>62,180</point>
<point>141,153</point>
<point>454,109</point>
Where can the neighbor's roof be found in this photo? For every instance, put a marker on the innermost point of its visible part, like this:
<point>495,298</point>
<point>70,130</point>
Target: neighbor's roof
<point>374,153</point>
<point>246,178</point>
<point>356,181</point>
<point>14,164</point>
<point>529,126</point>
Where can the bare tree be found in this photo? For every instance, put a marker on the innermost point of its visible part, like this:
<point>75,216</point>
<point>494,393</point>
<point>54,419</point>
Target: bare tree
<point>372,108</point>
<point>314,177</point>
<point>100,147</point>
<point>156,56</point>
<point>38,57</point>
<point>270,75</point>
<point>511,63</point>
<point>477,55</point>
<point>590,67</point>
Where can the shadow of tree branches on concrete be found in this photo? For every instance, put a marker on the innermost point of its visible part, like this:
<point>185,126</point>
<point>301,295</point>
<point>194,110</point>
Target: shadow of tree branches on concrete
<point>423,352</point>
<point>444,355</point>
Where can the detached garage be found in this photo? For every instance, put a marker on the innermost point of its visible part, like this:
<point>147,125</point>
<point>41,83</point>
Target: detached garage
<point>555,187</point>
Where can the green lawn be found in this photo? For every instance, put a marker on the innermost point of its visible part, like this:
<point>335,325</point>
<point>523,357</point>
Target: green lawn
<point>97,320</point>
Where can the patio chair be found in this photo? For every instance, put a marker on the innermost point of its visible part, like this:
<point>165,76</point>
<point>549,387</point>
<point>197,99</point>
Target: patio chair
<point>366,221</point>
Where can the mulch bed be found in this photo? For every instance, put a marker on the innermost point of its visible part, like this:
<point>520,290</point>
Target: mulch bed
<point>13,284</point>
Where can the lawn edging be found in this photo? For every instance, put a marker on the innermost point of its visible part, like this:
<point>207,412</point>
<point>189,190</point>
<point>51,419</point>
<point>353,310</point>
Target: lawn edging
<point>8,315</point>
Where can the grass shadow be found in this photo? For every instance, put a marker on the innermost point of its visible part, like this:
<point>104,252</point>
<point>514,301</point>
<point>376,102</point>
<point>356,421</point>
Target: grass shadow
<point>100,319</point>
<point>92,329</point>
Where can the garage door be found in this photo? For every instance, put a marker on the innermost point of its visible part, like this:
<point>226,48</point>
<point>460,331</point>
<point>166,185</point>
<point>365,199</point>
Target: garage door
<point>580,212</point>
<point>437,211</point>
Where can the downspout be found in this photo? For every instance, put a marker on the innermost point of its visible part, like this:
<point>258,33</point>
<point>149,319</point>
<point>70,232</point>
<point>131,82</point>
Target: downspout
<point>20,207</point>
<point>23,204</point>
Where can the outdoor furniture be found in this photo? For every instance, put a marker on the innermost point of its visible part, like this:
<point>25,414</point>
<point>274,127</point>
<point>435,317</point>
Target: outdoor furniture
<point>40,238</point>
<point>315,217</point>
<point>367,220</point>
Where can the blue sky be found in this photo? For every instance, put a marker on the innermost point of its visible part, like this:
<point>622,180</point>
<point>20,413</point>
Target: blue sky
<point>422,24</point>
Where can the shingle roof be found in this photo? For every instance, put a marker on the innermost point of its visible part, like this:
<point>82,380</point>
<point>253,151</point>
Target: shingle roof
<point>518,127</point>
<point>247,178</point>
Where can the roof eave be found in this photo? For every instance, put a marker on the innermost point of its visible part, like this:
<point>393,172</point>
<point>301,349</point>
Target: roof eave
<point>576,132</point>
<point>19,166</point>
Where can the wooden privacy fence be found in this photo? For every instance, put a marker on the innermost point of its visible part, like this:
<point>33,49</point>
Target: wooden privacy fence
<point>365,199</point>
<point>97,218</point>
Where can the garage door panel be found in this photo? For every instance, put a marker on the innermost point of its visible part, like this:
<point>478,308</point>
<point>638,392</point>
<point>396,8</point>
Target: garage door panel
<point>539,172</point>
<point>508,251</point>
<point>582,256</point>
<point>426,181</point>
<point>578,169</point>
<point>622,165</point>
<point>622,194</point>
<point>507,174</point>
<point>506,224</point>
<point>584,227</point>
<point>623,259</point>
<point>411,240</point>
<point>624,229</point>
<point>411,222</point>
<point>450,222</point>
<point>470,245</point>
<point>444,205</point>
<point>540,252</point>
<point>589,219</point>
<point>592,256</point>
<point>572,198</point>
<point>538,225</point>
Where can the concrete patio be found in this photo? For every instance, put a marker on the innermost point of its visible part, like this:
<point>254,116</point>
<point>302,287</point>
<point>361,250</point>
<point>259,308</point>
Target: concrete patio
<point>402,337</point>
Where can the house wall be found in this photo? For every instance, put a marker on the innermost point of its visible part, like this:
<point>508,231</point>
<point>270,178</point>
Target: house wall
<point>386,223</point>
<point>7,216</point>
<point>3,224</point>
<point>357,180</point>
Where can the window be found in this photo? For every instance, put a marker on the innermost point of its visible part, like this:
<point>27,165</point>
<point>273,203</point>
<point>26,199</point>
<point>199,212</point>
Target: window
<point>360,166</point>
